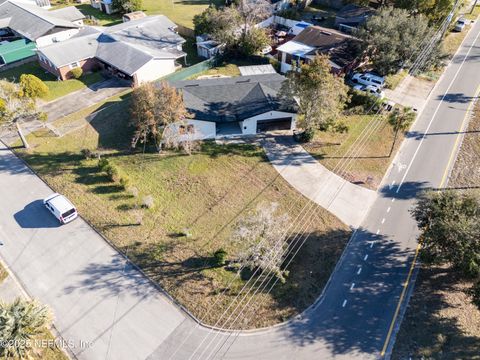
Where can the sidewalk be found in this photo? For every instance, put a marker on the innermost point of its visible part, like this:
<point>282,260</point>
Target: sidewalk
<point>412,92</point>
<point>349,202</point>
<point>82,99</point>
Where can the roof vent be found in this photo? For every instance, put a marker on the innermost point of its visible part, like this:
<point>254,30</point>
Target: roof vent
<point>325,32</point>
<point>192,85</point>
<point>243,81</point>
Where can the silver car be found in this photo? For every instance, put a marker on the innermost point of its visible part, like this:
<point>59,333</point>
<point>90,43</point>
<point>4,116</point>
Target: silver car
<point>460,25</point>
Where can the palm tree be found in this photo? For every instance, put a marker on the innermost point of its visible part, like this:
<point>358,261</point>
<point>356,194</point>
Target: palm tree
<point>21,321</point>
<point>400,120</point>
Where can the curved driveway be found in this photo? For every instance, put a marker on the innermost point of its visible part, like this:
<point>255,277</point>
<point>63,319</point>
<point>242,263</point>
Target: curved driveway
<point>118,314</point>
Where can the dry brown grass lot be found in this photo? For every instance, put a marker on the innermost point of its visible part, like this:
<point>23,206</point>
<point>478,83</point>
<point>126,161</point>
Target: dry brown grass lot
<point>362,155</point>
<point>203,195</point>
<point>441,322</point>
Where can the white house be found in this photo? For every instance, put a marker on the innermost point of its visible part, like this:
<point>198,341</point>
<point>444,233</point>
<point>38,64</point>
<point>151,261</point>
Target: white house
<point>26,20</point>
<point>244,105</point>
<point>208,48</point>
<point>103,5</point>
<point>139,50</point>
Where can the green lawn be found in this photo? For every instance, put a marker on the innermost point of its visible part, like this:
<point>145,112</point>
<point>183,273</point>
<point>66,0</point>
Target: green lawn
<point>204,195</point>
<point>369,161</point>
<point>179,11</point>
<point>102,18</point>
<point>57,88</point>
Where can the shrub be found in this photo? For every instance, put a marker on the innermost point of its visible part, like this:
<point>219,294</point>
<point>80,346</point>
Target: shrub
<point>32,87</point>
<point>148,202</point>
<point>112,173</point>
<point>305,136</point>
<point>87,153</point>
<point>76,73</point>
<point>220,257</point>
<point>124,181</point>
<point>103,163</point>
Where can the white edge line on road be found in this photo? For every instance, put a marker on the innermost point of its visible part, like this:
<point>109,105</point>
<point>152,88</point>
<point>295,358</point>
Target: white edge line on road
<point>436,111</point>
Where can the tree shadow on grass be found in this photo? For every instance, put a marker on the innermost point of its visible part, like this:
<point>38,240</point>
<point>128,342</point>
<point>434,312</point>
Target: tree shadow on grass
<point>52,163</point>
<point>424,332</point>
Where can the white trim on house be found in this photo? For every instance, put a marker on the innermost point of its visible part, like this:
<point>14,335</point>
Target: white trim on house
<point>205,130</point>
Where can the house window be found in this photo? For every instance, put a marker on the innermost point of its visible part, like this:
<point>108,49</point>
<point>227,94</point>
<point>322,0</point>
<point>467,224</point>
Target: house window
<point>74,65</point>
<point>189,129</point>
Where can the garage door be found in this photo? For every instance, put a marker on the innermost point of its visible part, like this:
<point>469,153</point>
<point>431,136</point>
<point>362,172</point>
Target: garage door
<point>274,124</point>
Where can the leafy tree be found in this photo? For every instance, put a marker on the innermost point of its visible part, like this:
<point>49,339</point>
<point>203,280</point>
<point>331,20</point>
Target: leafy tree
<point>32,87</point>
<point>393,37</point>
<point>127,6</point>
<point>263,241</point>
<point>21,321</point>
<point>400,120</point>
<point>16,108</point>
<point>153,109</point>
<point>253,42</point>
<point>321,95</point>
<point>450,230</point>
<point>234,26</point>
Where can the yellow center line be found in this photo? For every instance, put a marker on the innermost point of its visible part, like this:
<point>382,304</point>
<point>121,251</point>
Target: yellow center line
<point>442,183</point>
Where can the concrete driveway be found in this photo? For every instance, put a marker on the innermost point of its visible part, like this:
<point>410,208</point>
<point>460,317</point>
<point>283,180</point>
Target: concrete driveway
<point>84,98</point>
<point>349,202</point>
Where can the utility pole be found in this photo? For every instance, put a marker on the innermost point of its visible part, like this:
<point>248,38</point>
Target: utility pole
<point>473,7</point>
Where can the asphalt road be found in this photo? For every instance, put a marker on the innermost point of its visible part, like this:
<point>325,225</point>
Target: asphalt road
<point>118,314</point>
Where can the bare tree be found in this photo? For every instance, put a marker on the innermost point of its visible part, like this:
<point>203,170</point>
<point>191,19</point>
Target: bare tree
<point>263,241</point>
<point>153,109</point>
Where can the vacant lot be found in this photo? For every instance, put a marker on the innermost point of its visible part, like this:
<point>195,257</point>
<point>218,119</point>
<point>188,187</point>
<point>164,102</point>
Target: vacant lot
<point>56,88</point>
<point>361,155</point>
<point>441,322</point>
<point>198,202</point>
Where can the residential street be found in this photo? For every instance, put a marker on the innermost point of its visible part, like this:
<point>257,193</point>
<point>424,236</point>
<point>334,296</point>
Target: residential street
<point>119,314</point>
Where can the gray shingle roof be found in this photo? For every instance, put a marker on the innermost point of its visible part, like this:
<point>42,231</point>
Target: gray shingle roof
<point>31,21</point>
<point>72,50</point>
<point>69,13</point>
<point>231,99</point>
<point>127,46</point>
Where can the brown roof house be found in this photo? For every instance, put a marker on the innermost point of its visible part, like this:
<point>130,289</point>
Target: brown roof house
<point>139,50</point>
<point>341,48</point>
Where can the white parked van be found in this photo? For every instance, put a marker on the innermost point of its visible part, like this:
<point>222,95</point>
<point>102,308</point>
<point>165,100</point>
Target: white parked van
<point>61,208</point>
<point>369,79</point>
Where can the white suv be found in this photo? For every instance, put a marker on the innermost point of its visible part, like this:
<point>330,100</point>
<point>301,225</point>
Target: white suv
<point>61,208</point>
<point>370,89</point>
<point>369,79</point>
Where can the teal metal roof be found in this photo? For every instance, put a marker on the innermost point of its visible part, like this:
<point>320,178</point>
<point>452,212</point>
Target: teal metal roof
<point>16,50</point>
